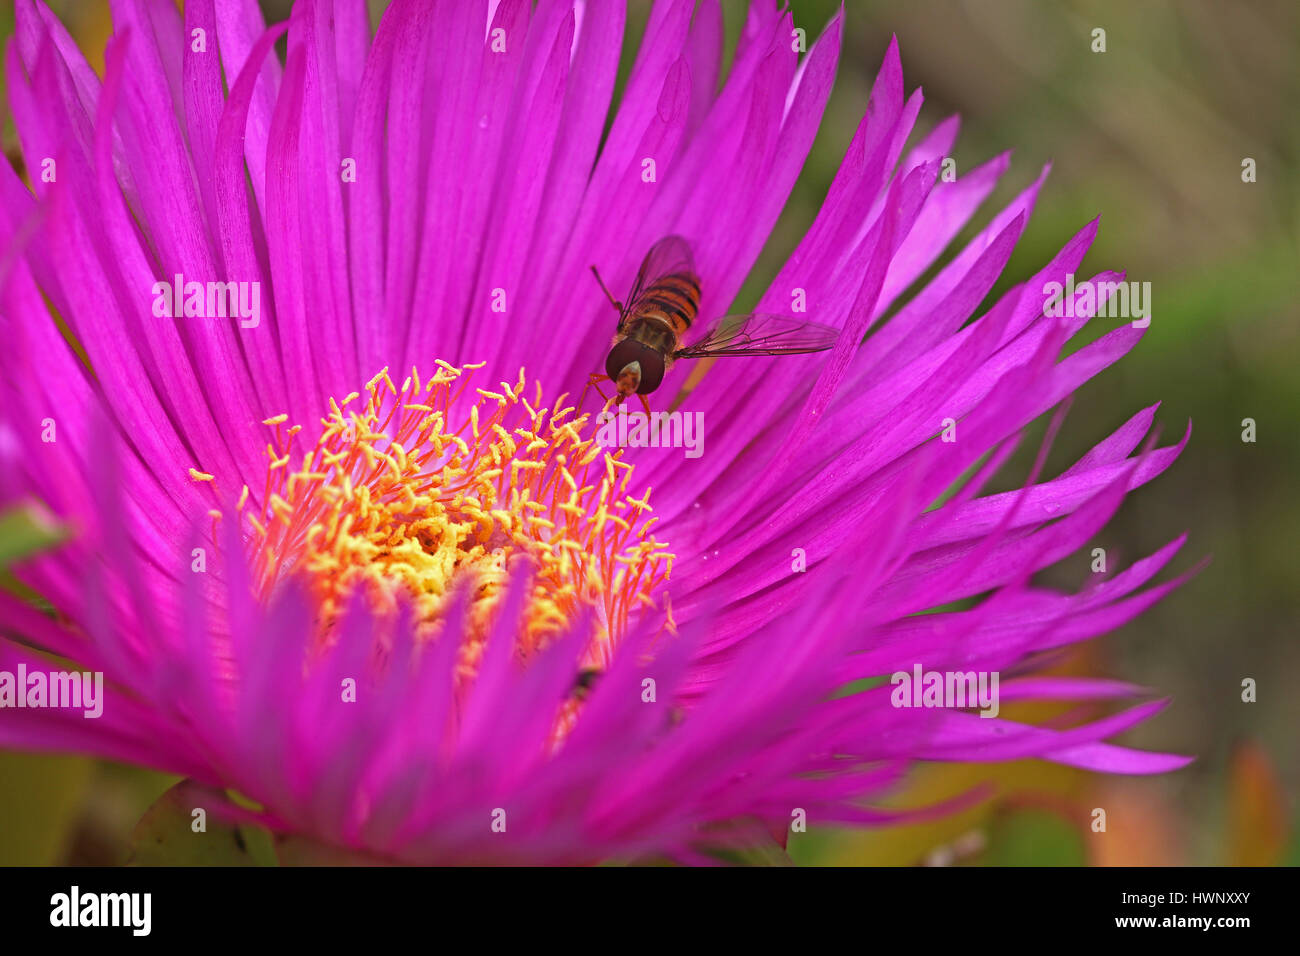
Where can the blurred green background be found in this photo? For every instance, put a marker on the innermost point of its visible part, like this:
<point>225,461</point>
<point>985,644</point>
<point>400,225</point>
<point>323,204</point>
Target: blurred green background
<point>1151,134</point>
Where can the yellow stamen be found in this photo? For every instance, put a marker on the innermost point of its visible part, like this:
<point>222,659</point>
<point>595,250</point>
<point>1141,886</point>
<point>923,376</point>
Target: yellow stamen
<point>411,491</point>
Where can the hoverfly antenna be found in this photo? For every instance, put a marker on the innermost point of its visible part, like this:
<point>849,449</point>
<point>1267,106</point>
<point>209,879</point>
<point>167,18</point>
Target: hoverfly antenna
<point>618,306</point>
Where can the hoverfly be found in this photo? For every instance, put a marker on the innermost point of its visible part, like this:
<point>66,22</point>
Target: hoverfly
<point>658,313</point>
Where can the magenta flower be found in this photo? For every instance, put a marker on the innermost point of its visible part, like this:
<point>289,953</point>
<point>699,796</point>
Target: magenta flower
<point>338,542</point>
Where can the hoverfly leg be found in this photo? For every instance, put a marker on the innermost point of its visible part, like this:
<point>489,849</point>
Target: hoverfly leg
<point>593,381</point>
<point>644,404</point>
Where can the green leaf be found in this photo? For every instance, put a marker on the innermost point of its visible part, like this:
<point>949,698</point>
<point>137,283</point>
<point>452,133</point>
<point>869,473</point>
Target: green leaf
<point>166,836</point>
<point>743,843</point>
<point>26,530</point>
<point>759,853</point>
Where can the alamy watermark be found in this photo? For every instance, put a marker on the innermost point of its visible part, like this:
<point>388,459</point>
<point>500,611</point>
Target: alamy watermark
<point>130,910</point>
<point>624,429</point>
<point>1128,300</point>
<point>59,689</point>
<point>210,300</point>
<point>949,689</point>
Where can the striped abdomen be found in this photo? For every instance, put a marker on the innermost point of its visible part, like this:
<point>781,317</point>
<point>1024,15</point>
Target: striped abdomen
<point>673,299</point>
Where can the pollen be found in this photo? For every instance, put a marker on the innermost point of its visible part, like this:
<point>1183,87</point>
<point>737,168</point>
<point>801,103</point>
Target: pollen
<point>410,492</point>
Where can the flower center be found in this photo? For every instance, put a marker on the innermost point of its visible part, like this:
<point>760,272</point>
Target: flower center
<point>410,491</point>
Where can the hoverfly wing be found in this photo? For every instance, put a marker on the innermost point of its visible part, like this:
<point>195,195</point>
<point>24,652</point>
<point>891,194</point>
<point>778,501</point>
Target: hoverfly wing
<point>760,333</point>
<point>670,256</point>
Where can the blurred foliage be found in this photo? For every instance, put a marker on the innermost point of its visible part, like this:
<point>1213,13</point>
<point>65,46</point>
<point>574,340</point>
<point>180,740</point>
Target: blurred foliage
<point>41,799</point>
<point>1034,837</point>
<point>1151,135</point>
<point>1257,816</point>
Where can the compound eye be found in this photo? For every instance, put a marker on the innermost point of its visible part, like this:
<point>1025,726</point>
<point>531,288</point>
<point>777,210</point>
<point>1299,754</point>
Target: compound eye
<point>652,372</point>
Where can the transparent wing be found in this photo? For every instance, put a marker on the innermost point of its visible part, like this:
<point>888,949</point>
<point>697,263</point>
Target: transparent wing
<point>671,255</point>
<point>760,334</point>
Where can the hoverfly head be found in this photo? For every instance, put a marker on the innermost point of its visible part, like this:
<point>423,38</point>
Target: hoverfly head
<point>634,367</point>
